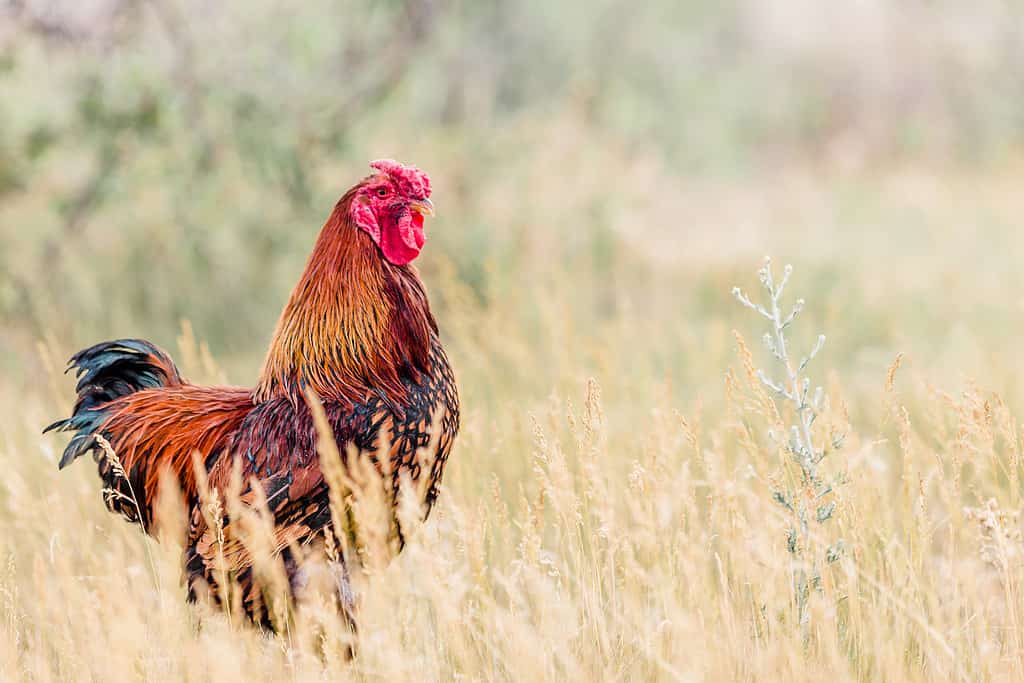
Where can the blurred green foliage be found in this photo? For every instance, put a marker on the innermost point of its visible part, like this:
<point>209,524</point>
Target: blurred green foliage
<point>170,160</point>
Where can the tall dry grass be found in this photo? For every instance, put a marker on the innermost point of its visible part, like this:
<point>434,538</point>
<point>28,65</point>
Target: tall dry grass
<point>619,527</point>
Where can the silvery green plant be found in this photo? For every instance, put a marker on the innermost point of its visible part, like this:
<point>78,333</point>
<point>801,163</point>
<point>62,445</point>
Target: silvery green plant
<point>806,503</point>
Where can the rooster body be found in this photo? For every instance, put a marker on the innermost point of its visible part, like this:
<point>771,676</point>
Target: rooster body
<point>357,332</point>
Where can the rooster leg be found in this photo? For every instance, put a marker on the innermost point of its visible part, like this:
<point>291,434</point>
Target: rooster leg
<point>346,596</point>
<point>310,581</point>
<point>347,602</point>
<point>316,580</point>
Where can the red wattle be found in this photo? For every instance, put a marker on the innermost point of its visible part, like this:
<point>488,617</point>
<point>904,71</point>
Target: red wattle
<point>417,230</point>
<point>402,240</point>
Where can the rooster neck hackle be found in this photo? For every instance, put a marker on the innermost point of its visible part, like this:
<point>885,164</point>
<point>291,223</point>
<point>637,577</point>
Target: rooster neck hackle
<point>354,325</point>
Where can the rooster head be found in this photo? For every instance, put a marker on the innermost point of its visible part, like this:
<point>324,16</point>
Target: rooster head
<point>390,207</point>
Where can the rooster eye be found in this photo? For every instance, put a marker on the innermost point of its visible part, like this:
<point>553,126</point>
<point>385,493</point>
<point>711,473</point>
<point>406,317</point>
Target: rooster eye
<point>382,192</point>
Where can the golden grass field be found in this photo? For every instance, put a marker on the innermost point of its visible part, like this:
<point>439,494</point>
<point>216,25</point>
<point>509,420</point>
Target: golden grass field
<point>607,512</point>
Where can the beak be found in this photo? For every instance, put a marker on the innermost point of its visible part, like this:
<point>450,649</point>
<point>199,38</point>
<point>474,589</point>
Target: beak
<point>424,207</point>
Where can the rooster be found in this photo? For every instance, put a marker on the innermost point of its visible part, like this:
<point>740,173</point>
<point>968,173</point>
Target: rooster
<point>357,332</point>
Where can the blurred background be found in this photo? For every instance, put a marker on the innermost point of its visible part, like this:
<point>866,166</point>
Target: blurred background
<point>170,160</point>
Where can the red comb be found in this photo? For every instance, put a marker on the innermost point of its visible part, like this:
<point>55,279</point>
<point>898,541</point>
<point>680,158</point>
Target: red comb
<point>411,181</point>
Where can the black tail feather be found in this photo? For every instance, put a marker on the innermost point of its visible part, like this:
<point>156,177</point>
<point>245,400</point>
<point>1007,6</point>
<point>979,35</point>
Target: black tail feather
<point>106,372</point>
